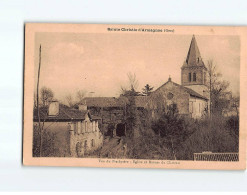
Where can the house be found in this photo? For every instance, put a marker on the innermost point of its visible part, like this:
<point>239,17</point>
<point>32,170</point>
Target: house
<point>77,131</point>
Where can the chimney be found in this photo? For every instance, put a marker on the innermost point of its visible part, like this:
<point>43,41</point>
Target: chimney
<point>170,79</point>
<point>53,108</point>
<point>83,106</point>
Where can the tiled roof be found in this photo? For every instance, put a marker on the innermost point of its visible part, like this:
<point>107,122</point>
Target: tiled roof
<point>65,114</point>
<point>188,90</point>
<point>193,93</point>
<point>104,102</point>
<point>113,102</point>
<point>141,101</point>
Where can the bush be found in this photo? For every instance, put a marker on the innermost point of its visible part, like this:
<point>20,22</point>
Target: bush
<point>172,130</point>
<point>210,135</point>
<point>48,143</point>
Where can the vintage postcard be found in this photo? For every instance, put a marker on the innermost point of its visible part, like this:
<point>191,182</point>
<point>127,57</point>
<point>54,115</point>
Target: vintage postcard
<point>135,96</point>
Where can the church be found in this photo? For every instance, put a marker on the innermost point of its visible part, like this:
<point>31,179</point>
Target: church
<point>191,98</point>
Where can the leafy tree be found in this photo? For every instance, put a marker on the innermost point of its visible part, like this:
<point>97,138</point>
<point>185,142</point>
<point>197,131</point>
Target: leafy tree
<point>172,130</point>
<point>48,143</point>
<point>147,90</point>
<point>131,114</point>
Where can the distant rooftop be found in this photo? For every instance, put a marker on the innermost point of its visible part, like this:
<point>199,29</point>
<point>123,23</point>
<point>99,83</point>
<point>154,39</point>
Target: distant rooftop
<point>113,101</point>
<point>65,114</point>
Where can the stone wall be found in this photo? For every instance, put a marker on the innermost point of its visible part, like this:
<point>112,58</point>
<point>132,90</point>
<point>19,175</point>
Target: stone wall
<point>109,116</point>
<point>166,95</point>
<point>200,76</point>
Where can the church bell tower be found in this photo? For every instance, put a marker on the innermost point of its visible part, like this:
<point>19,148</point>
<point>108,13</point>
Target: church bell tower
<point>194,71</point>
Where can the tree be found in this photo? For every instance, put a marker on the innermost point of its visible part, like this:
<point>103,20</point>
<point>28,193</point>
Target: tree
<point>70,100</point>
<point>218,89</point>
<point>80,96</point>
<point>131,89</point>
<point>235,104</point>
<point>172,129</point>
<point>131,114</point>
<point>46,96</point>
<point>133,82</point>
<point>147,90</point>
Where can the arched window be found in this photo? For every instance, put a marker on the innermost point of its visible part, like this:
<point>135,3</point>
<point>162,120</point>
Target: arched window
<point>194,76</point>
<point>190,77</point>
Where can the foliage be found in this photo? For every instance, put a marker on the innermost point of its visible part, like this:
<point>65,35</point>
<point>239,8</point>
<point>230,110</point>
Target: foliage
<point>172,130</point>
<point>48,143</point>
<point>215,135</point>
<point>131,114</point>
<point>147,90</point>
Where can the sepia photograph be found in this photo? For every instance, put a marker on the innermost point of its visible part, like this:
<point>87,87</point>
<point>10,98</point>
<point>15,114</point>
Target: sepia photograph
<point>133,95</point>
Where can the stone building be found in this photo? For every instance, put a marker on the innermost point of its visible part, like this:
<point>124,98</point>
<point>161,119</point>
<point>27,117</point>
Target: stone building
<point>174,96</point>
<point>77,131</point>
<point>113,112</point>
<point>191,97</point>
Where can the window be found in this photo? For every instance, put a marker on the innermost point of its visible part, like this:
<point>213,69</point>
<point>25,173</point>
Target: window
<point>169,95</point>
<point>85,144</point>
<point>94,129</point>
<point>189,77</point>
<point>191,107</point>
<point>172,108</point>
<point>78,127</point>
<point>92,143</point>
<point>75,128</point>
<point>194,76</point>
<point>85,126</point>
<point>82,127</point>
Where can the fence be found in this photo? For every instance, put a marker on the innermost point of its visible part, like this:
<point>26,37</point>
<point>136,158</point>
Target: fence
<point>209,156</point>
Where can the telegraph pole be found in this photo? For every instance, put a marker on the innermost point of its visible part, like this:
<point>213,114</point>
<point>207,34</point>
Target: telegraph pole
<point>40,131</point>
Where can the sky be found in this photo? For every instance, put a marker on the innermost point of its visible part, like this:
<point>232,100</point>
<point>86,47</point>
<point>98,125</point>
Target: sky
<point>99,62</point>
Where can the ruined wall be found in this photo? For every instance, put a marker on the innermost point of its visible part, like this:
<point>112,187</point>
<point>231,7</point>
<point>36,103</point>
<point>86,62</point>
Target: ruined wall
<point>109,115</point>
